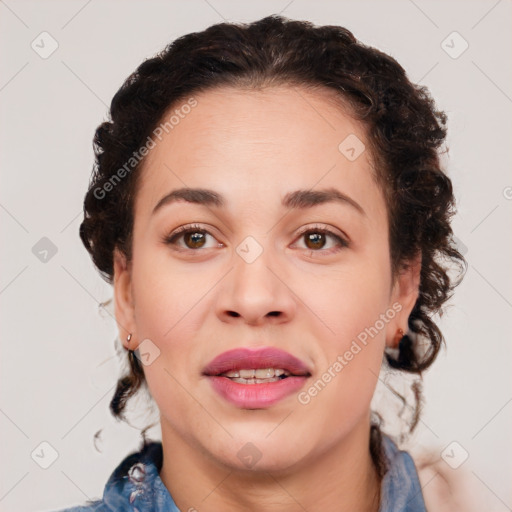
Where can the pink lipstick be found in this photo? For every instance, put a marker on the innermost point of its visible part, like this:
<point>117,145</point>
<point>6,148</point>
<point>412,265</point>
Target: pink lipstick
<point>256,378</point>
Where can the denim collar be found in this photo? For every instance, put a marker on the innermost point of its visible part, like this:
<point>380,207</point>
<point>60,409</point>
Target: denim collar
<point>135,485</point>
<point>400,488</point>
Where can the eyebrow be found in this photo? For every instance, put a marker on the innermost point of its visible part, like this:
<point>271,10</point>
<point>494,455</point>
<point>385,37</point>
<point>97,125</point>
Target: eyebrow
<point>300,199</point>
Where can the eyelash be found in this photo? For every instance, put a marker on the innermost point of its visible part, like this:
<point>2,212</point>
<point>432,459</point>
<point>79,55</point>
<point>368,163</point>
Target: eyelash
<point>189,228</point>
<point>342,242</point>
<point>194,228</point>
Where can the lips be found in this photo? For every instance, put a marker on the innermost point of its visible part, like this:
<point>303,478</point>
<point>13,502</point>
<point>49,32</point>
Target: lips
<point>241,358</point>
<point>225,373</point>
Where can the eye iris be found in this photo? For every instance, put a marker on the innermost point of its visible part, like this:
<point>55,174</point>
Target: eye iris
<point>194,239</point>
<point>316,239</point>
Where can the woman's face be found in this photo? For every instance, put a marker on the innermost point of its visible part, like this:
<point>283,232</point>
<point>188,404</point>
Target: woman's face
<point>290,254</point>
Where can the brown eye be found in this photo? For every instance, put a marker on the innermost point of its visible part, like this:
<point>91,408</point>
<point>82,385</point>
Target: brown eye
<point>321,240</point>
<point>315,240</point>
<point>191,237</point>
<point>194,239</point>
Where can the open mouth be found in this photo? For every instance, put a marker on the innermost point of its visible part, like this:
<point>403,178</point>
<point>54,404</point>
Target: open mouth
<point>256,378</point>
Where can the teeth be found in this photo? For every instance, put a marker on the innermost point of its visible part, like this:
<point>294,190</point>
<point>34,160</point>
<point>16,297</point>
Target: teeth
<point>256,381</point>
<point>252,376</point>
<point>260,373</point>
<point>264,373</point>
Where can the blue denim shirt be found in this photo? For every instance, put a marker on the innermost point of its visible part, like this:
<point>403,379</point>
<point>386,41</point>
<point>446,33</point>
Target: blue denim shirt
<point>135,485</point>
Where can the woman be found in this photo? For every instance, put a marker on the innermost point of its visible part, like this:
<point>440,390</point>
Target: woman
<point>269,206</point>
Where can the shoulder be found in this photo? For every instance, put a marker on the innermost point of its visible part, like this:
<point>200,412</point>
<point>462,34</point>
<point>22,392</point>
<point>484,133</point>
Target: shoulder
<point>446,489</point>
<point>420,479</point>
<point>133,485</point>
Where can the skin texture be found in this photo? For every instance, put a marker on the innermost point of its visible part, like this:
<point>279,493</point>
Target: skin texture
<point>254,147</point>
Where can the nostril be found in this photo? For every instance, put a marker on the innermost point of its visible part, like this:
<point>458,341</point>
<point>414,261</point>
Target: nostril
<point>234,314</point>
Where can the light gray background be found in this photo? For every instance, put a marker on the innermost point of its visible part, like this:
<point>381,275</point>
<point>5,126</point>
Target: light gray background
<point>58,364</point>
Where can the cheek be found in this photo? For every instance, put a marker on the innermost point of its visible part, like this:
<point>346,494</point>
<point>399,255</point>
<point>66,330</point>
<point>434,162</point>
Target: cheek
<point>169,311</point>
<point>350,359</point>
<point>348,300</point>
<point>168,297</point>
<point>353,311</point>
<point>363,302</point>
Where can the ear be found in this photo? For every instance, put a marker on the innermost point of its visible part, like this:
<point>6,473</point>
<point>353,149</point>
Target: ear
<point>123,299</point>
<point>404,295</point>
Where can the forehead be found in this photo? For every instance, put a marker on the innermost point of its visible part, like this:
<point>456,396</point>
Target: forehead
<point>251,144</point>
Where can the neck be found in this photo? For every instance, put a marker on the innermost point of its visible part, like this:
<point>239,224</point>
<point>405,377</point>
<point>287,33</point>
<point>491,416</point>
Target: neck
<point>343,478</point>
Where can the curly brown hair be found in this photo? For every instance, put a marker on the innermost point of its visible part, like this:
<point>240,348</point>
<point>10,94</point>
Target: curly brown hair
<point>405,132</point>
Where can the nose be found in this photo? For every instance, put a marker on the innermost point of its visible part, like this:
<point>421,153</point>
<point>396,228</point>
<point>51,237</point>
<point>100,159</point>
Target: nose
<point>256,293</point>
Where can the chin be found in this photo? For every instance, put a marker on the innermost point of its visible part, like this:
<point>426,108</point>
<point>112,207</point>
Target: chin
<point>260,452</point>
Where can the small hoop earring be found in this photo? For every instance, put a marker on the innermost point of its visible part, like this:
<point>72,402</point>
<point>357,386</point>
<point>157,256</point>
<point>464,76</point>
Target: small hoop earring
<point>129,337</point>
<point>398,336</point>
